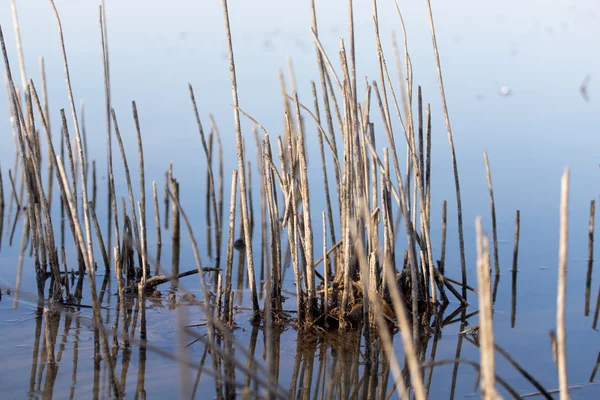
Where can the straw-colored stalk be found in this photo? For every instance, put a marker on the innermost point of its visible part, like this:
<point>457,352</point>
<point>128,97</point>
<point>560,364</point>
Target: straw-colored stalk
<point>158,228</point>
<point>561,335</point>
<point>308,231</point>
<point>242,171</point>
<point>461,240</point>
<point>486,330</point>
<point>228,313</point>
<point>488,174</point>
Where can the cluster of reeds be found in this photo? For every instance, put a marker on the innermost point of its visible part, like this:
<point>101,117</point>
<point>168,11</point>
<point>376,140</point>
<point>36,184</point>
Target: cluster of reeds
<point>367,283</point>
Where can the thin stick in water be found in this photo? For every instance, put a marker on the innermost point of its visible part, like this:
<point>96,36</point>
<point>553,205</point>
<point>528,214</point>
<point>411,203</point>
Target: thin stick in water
<point>561,335</point>
<point>588,280</point>
<point>493,210</point>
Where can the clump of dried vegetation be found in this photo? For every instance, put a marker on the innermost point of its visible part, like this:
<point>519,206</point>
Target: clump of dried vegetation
<point>368,285</point>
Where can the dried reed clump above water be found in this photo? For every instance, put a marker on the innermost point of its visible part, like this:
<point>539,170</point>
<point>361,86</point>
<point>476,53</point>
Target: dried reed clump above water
<point>369,283</point>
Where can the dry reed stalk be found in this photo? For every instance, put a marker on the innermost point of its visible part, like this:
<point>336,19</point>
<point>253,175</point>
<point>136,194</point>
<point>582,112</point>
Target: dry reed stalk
<point>293,246</point>
<point>97,317</point>
<point>250,199</point>
<point>208,217</point>
<point>595,322</point>
<point>323,163</point>
<point>452,151</point>
<point>493,211</point>
<point>409,341</point>
<point>486,330</point>
<point>322,76</point>
<point>127,177</point>
<point>175,230</point>
<point>561,335</point>
<point>588,280</point>
<point>411,153</point>
<point>211,179</point>
<point>444,230</point>
<point>100,240</point>
<point>41,243</point>
<point>229,260</point>
<point>24,163</point>
<point>215,129</point>
<point>142,203</point>
<point>107,100</point>
<point>513,308</point>
<point>241,167</point>
<point>94,184</point>
<point>53,158</point>
<point>274,277</point>
<point>287,111</point>
<point>308,232</point>
<point>84,135</point>
<point>168,176</point>
<point>158,230</point>
<point>14,190</point>
<point>67,141</point>
<point>264,259</point>
<point>50,179</point>
<point>15,17</point>
<point>325,271</point>
<point>77,136</point>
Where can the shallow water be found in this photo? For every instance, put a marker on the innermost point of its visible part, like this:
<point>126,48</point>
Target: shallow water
<point>540,51</point>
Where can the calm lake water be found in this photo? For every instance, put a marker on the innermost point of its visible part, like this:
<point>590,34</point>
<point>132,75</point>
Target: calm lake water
<point>541,52</point>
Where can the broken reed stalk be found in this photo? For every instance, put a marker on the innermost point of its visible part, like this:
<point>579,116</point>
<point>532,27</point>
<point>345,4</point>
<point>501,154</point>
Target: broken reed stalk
<point>145,267</point>
<point>588,280</point>
<point>561,335</point>
<point>227,309</point>
<point>493,211</point>
<point>486,330</point>
<point>175,229</point>
<point>158,229</point>
<point>461,240</point>
<point>513,307</point>
<point>255,318</point>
